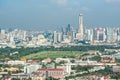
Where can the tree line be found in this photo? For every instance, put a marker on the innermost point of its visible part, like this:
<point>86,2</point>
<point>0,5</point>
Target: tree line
<point>5,52</point>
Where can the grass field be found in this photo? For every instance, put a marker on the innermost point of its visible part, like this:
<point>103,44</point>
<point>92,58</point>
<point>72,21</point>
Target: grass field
<point>53,54</point>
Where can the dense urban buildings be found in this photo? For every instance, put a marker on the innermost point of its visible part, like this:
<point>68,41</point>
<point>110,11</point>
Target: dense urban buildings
<point>67,36</point>
<point>66,54</point>
<point>59,40</point>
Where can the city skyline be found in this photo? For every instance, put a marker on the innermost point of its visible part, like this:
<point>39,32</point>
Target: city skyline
<point>54,14</point>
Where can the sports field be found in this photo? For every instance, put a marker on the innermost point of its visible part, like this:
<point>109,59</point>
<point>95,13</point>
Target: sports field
<point>54,54</point>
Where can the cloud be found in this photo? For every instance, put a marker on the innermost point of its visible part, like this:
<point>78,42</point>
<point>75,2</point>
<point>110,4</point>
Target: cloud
<point>60,2</point>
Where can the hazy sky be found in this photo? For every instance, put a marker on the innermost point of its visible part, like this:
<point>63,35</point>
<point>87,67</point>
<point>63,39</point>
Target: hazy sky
<point>53,14</point>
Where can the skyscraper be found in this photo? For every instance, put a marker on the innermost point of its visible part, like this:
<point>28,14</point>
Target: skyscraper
<point>55,37</point>
<point>111,35</point>
<point>80,24</point>
<point>80,34</point>
<point>99,35</point>
<point>68,29</point>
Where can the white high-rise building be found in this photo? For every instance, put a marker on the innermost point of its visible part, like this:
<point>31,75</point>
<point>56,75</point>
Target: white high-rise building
<point>68,68</point>
<point>89,35</point>
<point>55,37</point>
<point>111,35</point>
<point>2,31</point>
<point>80,24</point>
<point>80,34</point>
<point>59,37</point>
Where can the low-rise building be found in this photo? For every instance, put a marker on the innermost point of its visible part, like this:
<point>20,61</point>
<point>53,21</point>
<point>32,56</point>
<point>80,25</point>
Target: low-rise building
<point>62,59</point>
<point>51,65</point>
<point>66,67</point>
<point>107,60</point>
<point>116,68</point>
<point>21,77</point>
<point>33,61</point>
<point>31,68</point>
<point>16,62</point>
<point>96,77</point>
<point>11,69</point>
<point>38,78</point>
<point>47,60</point>
<point>51,72</point>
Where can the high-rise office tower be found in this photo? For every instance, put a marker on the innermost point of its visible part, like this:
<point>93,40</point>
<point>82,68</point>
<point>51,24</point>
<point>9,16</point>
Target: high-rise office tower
<point>55,37</point>
<point>111,35</point>
<point>64,32</point>
<point>99,35</point>
<point>118,32</point>
<point>68,29</point>
<point>80,24</point>
<point>80,34</point>
<point>89,35</point>
<point>60,37</point>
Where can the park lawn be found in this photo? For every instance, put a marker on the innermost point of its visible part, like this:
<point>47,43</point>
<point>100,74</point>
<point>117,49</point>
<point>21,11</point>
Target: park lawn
<point>54,54</point>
